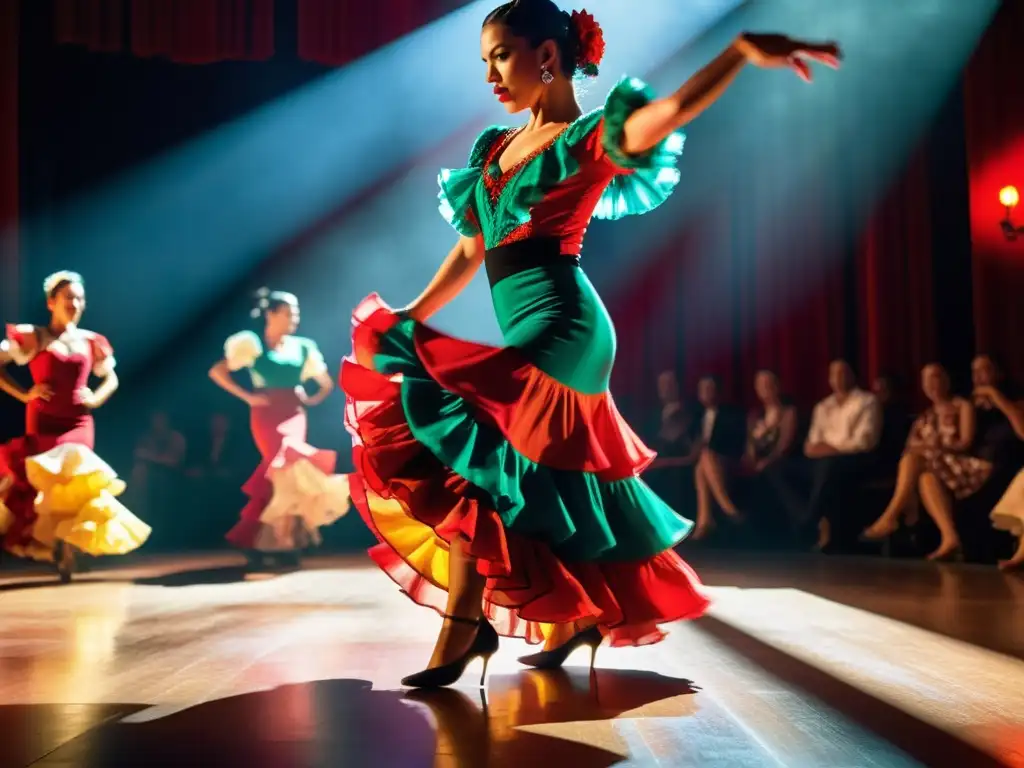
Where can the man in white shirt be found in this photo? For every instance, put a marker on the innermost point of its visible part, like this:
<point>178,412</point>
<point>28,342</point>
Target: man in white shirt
<point>845,429</point>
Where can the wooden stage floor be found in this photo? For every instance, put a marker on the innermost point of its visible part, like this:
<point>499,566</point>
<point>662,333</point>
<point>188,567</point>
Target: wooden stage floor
<point>803,662</point>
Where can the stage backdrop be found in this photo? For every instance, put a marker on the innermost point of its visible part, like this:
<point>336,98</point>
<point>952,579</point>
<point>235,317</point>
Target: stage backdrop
<point>995,142</point>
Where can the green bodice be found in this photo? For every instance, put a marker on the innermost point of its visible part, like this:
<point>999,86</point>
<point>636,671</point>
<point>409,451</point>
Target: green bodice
<point>295,360</point>
<point>581,173</point>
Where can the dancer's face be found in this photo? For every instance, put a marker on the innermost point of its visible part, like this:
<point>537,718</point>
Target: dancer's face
<point>67,304</point>
<point>284,318</point>
<point>514,67</point>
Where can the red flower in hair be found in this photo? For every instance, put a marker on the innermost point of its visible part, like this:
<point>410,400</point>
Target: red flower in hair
<point>591,38</point>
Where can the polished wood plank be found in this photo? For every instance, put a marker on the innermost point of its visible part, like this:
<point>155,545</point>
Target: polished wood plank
<point>189,661</point>
<point>961,689</point>
<point>974,603</point>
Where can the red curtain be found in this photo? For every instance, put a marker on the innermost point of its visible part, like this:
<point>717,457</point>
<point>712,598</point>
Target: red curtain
<point>895,292</point>
<point>994,95</point>
<point>336,33</point>
<point>203,31</point>
<point>9,272</point>
<point>184,31</point>
<point>95,24</point>
<point>786,290</point>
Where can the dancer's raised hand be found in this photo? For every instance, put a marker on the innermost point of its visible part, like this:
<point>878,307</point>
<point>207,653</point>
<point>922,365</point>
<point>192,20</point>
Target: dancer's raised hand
<point>771,51</point>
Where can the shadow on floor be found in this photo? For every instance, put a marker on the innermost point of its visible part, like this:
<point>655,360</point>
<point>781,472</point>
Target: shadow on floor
<point>543,718</point>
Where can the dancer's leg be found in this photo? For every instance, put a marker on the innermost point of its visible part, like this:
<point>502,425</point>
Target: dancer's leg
<point>465,600</point>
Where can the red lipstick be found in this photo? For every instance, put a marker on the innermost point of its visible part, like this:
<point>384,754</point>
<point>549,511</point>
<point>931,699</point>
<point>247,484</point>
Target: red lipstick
<point>502,93</point>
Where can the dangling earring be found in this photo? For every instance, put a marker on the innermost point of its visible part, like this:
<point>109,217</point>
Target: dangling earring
<point>546,77</point>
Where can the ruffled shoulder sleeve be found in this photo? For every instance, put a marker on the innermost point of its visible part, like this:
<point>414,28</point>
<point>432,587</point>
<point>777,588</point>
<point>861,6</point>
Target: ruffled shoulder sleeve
<point>19,344</point>
<point>103,360</point>
<point>313,363</point>
<point>642,182</point>
<point>458,185</point>
<point>241,350</point>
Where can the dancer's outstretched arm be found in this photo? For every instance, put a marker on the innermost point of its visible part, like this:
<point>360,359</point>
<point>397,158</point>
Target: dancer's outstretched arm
<point>455,273</point>
<point>651,124</point>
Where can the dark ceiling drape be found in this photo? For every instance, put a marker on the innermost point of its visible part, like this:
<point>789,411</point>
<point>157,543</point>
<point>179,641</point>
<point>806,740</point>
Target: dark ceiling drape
<point>330,32</point>
<point>994,90</point>
<point>184,31</point>
<point>335,33</point>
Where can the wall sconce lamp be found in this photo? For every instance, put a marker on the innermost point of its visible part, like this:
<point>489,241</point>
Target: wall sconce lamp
<point>1009,197</point>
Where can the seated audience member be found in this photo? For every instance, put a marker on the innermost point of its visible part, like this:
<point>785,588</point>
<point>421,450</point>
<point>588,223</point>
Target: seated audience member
<point>671,474</point>
<point>159,454</point>
<point>999,438</point>
<point>999,430</point>
<point>771,437</point>
<point>721,440</point>
<point>215,455</point>
<point>772,426</point>
<point>896,423</point>
<point>937,463</point>
<point>217,464</point>
<point>845,429</point>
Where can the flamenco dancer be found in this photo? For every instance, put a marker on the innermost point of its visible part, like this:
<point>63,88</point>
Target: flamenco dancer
<point>56,495</point>
<point>502,482</point>
<point>294,490</point>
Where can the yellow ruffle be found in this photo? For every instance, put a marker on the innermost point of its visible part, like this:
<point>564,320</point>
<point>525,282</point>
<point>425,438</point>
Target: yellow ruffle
<point>417,544</point>
<point>414,541</point>
<point>77,503</point>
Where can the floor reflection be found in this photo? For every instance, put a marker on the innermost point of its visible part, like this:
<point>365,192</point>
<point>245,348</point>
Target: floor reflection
<point>550,716</point>
<point>547,717</point>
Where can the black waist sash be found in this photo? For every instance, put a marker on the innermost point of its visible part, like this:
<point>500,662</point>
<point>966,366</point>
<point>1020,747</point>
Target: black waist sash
<point>507,260</point>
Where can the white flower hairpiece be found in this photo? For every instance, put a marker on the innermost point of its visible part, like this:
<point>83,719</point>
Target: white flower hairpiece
<point>264,296</point>
<point>63,276</point>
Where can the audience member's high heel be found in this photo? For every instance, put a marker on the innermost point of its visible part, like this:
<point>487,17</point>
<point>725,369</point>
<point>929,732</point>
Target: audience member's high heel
<point>484,645</point>
<point>555,658</point>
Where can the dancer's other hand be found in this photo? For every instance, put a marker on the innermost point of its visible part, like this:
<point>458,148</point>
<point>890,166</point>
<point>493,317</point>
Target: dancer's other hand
<point>38,392</point>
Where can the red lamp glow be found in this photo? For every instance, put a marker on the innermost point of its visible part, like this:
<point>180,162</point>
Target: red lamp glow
<point>1009,197</point>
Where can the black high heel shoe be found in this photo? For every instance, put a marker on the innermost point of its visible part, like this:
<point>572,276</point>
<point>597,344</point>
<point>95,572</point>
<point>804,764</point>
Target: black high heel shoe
<point>555,658</point>
<point>484,645</point>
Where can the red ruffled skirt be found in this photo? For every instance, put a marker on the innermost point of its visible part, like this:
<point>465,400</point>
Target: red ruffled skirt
<point>44,431</point>
<point>539,482</point>
<point>293,491</point>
